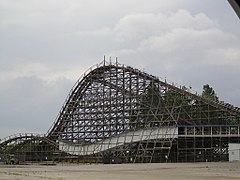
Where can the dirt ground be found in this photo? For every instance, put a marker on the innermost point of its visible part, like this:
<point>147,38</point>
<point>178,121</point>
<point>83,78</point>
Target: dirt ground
<point>178,171</point>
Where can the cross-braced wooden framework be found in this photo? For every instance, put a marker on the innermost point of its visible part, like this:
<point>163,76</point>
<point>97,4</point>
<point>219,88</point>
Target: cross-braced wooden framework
<point>116,113</point>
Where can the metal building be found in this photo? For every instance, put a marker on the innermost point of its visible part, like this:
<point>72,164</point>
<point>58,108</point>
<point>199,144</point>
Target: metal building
<point>234,152</point>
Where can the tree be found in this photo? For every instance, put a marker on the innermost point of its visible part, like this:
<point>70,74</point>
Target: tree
<point>209,93</point>
<point>148,114</point>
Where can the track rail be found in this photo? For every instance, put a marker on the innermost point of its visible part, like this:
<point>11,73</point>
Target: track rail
<point>26,136</point>
<point>122,139</point>
<point>84,81</point>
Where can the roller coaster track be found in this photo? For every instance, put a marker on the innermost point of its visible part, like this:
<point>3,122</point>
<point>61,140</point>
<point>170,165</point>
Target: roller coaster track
<point>95,72</point>
<point>119,140</point>
<point>145,135</point>
<point>24,137</point>
<point>109,107</point>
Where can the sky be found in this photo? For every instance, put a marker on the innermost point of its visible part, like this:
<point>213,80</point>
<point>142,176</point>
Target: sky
<point>45,46</point>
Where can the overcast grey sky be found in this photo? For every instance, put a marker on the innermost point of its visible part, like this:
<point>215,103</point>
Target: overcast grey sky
<point>46,45</point>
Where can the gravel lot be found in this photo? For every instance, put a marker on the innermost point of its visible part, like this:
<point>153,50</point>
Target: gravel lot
<point>178,171</point>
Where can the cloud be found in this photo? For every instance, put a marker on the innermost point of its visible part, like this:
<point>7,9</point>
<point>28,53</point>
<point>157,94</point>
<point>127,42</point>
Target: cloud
<point>187,48</point>
<point>47,45</point>
<point>104,32</point>
<point>225,56</point>
<point>41,70</point>
<point>178,36</point>
<point>142,25</point>
<point>29,103</point>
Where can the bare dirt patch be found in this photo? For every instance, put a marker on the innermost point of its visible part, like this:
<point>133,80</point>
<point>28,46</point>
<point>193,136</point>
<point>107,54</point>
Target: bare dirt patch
<point>178,171</point>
